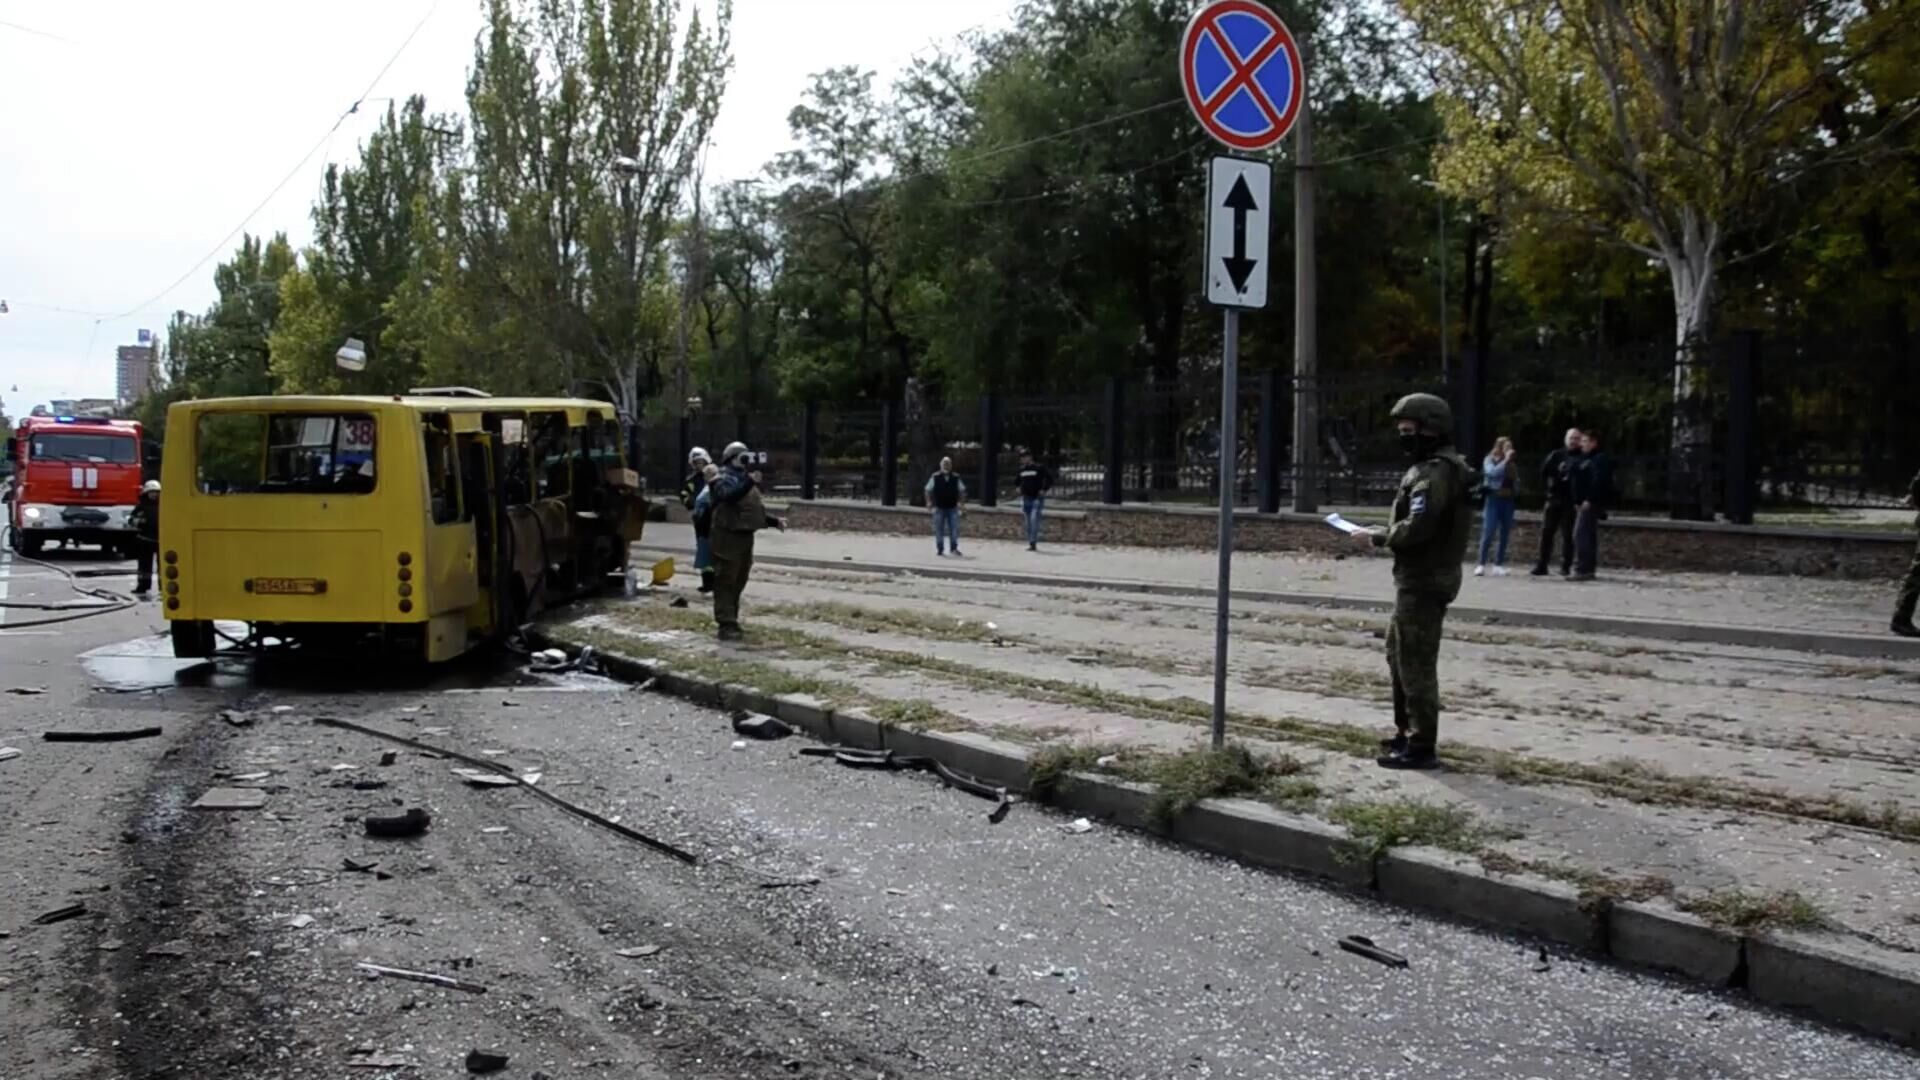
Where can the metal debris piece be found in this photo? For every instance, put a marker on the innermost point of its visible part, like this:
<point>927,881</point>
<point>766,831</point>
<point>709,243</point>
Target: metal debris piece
<point>389,758</point>
<point>231,798</point>
<point>8,753</point>
<point>59,915</point>
<point>412,823</point>
<point>483,778</point>
<point>278,709</point>
<point>102,736</point>
<point>1364,946</point>
<point>887,759</point>
<point>26,691</point>
<point>482,1061</point>
<point>236,718</point>
<point>678,602</point>
<point>352,867</point>
<point>170,950</point>
<point>760,726</point>
<point>300,921</point>
<point>493,830</point>
<point>428,977</point>
<point>790,883</point>
<point>1542,963</point>
<point>739,744</point>
<point>1078,826</point>
<point>368,785</point>
<point>360,1060</point>
<point>250,777</point>
<point>639,952</point>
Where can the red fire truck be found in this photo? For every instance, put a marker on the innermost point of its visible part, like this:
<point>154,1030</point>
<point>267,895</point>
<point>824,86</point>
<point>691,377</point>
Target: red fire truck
<point>75,479</point>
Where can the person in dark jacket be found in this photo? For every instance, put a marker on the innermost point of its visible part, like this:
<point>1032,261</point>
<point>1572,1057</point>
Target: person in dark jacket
<point>1910,586</point>
<point>1592,495</point>
<point>1556,520</point>
<point>1035,481</point>
<point>946,494</point>
<point>697,480</point>
<point>1432,519</point>
<point>145,520</point>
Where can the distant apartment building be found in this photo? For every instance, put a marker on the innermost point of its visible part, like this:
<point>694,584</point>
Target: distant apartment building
<point>135,364</point>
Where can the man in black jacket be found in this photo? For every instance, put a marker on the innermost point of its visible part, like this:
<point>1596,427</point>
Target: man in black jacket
<point>696,482</point>
<point>145,520</point>
<point>1035,481</point>
<point>1556,520</point>
<point>1592,494</point>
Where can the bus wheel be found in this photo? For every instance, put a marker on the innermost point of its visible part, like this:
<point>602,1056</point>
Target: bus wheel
<point>192,639</point>
<point>26,544</point>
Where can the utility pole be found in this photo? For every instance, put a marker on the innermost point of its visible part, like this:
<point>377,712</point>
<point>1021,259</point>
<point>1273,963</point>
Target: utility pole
<point>1306,328</point>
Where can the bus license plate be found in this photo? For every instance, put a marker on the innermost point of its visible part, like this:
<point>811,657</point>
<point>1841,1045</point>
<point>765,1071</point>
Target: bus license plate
<point>288,586</point>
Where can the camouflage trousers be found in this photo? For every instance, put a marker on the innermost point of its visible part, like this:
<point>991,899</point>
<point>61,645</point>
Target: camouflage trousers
<point>1909,590</point>
<point>732,563</point>
<point>1413,655</point>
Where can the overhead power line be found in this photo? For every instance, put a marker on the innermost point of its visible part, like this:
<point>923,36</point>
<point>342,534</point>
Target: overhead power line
<point>291,173</point>
<point>9,24</point>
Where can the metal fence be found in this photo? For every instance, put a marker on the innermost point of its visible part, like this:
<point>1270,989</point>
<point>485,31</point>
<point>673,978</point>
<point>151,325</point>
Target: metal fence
<point>1804,425</point>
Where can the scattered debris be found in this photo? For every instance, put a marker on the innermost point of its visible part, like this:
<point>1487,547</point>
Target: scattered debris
<point>483,778</point>
<point>170,950</point>
<point>548,660</point>
<point>493,830</point>
<point>1078,826</point>
<point>587,815</point>
<point>639,952</point>
<point>368,785</point>
<point>1023,1003</point>
<point>1083,659</point>
<point>790,883</point>
<point>367,1059</point>
<point>739,744</point>
<point>438,732</point>
<point>1364,946</point>
<point>887,759</point>
<point>481,1061</point>
<point>300,921</point>
<point>237,719</point>
<point>59,915</point>
<point>102,736</point>
<point>26,691</point>
<point>652,681</point>
<point>678,602</point>
<point>447,981</point>
<point>8,753</point>
<point>760,726</point>
<point>1106,761</point>
<point>389,758</point>
<point>412,823</point>
<point>232,798</point>
<point>1542,963</point>
<point>1106,901</point>
<point>251,777</point>
<point>279,709</point>
<point>352,867</point>
<point>898,892</point>
<point>531,778</point>
<point>112,946</point>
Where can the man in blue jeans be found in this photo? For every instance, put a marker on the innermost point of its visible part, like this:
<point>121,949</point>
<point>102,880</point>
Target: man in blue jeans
<point>1035,482</point>
<point>946,494</point>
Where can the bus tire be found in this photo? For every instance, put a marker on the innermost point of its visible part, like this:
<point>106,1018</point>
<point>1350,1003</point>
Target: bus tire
<point>192,639</point>
<point>25,543</point>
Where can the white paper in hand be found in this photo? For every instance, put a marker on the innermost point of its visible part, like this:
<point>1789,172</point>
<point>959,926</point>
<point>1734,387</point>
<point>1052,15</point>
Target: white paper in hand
<point>1346,526</point>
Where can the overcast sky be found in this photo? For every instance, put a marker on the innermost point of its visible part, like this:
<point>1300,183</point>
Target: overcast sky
<point>135,135</point>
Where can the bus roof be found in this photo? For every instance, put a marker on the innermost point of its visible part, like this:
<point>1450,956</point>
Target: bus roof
<point>417,403</point>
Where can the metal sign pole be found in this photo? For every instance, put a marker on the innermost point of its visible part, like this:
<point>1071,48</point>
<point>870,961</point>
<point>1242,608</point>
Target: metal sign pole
<point>1229,468</point>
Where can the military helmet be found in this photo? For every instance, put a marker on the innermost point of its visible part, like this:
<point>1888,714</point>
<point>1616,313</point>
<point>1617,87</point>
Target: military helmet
<point>151,487</point>
<point>1430,411</point>
<point>698,456</point>
<point>733,450</point>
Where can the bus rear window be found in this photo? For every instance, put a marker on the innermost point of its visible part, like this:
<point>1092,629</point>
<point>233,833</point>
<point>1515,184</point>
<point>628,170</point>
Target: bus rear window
<point>297,453</point>
<point>91,449</point>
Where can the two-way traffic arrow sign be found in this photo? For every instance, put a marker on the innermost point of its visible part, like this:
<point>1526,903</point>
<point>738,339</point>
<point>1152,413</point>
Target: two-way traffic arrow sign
<point>1239,210</point>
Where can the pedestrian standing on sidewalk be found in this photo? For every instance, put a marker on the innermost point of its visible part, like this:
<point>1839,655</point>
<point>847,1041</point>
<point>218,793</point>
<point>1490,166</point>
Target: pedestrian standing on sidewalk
<point>1497,485</point>
<point>700,470</point>
<point>1556,520</point>
<point>738,514</point>
<point>1592,495</point>
<point>703,527</point>
<point>1432,518</point>
<point>144,519</point>
<point>1910,587</point>
<point>1035,481</point>
<point>946,495</point>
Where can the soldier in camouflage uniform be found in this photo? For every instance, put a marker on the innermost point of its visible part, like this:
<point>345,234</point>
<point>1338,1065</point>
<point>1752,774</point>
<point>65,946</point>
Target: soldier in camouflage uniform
<point>1909,588</point>
<point>738,513</point>
<point>1432,518</point>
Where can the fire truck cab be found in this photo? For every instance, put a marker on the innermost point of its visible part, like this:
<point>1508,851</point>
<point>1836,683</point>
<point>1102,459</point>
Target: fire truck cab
<point>75,479</point>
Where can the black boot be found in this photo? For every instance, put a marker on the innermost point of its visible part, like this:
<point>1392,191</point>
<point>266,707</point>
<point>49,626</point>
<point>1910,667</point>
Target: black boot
<point>1395,745</point>
<point>731,632</point>
<point>1409,758</point>
<point>1903,626</point>
<point>706,581</point>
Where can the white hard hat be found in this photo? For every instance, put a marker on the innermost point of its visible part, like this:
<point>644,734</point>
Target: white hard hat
<point>697,454</point>
<point>151,487</point>
<point>733,450</point>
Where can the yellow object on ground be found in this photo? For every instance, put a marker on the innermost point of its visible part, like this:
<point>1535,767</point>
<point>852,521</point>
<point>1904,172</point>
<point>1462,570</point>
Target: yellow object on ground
<point>663,571</point>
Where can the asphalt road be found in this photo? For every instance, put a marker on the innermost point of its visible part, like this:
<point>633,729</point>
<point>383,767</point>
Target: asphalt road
<point>932,943</point>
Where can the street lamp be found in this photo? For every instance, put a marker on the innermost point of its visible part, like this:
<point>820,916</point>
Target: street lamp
<point>1440,215</point>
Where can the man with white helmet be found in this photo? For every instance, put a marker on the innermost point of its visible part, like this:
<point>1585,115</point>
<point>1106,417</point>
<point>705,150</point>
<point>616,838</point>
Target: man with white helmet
<point>697,465</point>
<point>145,521</point>
<point>738,513</point>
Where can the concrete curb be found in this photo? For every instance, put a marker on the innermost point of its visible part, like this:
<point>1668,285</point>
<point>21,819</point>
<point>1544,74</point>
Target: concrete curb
<point>1865,646</point>
<point>1834,978</point>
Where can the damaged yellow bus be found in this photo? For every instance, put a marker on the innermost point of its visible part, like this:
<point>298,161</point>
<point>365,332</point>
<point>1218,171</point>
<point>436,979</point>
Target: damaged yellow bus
<point>416,526</point>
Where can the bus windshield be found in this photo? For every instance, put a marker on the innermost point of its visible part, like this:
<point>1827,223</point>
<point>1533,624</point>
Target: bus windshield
<point>295,453</point>
<point>92,449</point>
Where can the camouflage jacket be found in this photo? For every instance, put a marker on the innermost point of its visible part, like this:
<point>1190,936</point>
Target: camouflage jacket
<point>1432,519</point>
